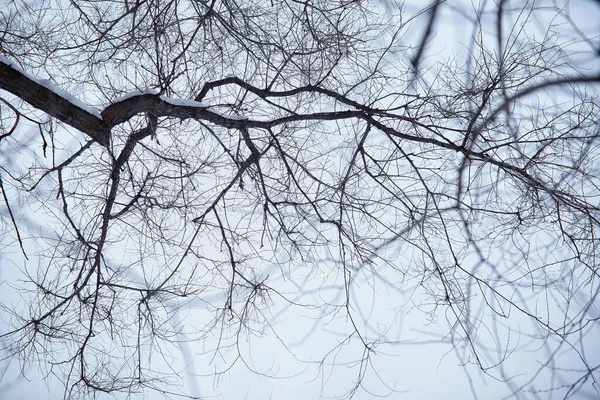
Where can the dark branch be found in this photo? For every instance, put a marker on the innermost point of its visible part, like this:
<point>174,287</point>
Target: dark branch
<point>42,98</point>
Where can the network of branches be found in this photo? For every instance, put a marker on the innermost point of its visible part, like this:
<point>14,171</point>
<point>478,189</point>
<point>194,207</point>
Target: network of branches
<point>215,173</point>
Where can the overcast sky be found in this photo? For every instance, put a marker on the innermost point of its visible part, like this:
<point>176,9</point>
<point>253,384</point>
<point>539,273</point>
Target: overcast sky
<point>420,359</point>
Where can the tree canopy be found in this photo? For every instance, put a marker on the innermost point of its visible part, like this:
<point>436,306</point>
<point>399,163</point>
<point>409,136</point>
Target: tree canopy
<point>281,183</point>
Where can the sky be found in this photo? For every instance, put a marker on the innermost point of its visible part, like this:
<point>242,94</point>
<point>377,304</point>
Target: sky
<point>419,359</point>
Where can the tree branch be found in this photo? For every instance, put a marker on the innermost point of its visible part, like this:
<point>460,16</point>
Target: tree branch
<point>42,98</point>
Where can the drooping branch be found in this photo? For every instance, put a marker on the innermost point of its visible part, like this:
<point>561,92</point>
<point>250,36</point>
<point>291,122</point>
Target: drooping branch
<point>543,85</point>
<point>266,93</point>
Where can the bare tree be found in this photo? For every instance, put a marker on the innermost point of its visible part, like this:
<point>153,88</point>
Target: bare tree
<point>233,161</point>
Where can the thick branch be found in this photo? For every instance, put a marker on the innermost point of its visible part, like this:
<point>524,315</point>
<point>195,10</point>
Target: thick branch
<point>42,98</point>
<point>159,106</point>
